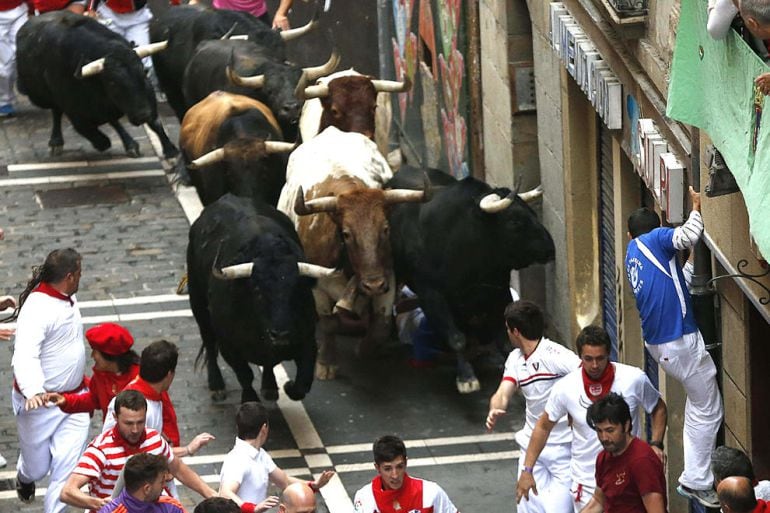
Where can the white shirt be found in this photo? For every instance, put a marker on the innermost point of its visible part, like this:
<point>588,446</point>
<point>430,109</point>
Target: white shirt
<point>48,352</point>
<point>433,496</point>
<point>535,375</point>
<point>249,466</point>
<point>568,396</point>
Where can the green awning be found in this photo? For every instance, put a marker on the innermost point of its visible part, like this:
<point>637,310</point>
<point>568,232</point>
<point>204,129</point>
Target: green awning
<point>712,87</point>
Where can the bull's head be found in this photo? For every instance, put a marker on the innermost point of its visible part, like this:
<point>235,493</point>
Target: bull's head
<point>349,102</point>
<point>360,215</point>
<point>524,240</point>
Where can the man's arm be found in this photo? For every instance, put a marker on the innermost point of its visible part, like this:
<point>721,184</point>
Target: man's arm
<point>73,495</point>
<point>596,504</point>
<point>658,419</point>
<point>189,478</point>
<point>654,503</point>
<point>539,437</point>
<point>280,21</point>
<point>27,370</point>
<point>498,403</point>
<point>687,235</point>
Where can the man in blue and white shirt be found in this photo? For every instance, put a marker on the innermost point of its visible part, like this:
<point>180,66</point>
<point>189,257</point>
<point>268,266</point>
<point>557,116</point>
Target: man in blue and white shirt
<point>672,336</point>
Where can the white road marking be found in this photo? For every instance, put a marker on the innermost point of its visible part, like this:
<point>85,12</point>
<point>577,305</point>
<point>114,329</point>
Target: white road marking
<point>45,180</point>
<point>436,461</point>
<point>429,442</point>
<point>55,166</point>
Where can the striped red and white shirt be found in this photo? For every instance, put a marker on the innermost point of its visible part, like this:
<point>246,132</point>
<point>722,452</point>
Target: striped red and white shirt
<point>106,456</point>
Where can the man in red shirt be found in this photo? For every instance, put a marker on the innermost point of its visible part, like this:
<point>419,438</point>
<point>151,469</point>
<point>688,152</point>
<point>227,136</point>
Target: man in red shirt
<point>736,495</point>
<point>629,475</point>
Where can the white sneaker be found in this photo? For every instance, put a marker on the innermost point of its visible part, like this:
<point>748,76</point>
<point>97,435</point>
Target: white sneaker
<point>707,498</point>
<point>3,462</point>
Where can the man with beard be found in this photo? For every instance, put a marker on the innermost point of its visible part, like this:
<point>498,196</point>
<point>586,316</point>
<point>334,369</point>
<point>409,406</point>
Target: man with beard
<point>573,395</point>
<point>106,455</point>
<point>145,477</point>
<point>629,475</point>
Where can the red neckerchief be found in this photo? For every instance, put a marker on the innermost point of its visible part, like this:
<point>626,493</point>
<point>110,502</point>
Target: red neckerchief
<point>131,449</point>
<point>406,498</point>
<point>48,290</point>
<point>598,388</point>
<point>170,426</point>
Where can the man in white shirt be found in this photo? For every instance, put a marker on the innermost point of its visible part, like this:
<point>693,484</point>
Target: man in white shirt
<point>48,356</point>
<point>533,367</point>
<point>573,394</point>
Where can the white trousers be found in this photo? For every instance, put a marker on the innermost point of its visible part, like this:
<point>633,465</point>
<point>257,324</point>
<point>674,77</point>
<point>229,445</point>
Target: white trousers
<point>551,473</point>
<point>49,441</point>
<point>580,495</point>
<point>134,26</point>
<point>10,23</point>
<point>687,361</point>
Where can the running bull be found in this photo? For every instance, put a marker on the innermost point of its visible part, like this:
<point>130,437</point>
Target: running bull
<point>232,143</point>
<point>76,66</point>
<point>457,252</point>
<point>250,293</point>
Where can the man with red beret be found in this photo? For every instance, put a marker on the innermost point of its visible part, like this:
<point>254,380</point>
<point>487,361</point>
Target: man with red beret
<point>115,366</point>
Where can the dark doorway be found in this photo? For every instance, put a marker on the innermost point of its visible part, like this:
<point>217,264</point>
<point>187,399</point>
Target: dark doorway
<point>759,355</point>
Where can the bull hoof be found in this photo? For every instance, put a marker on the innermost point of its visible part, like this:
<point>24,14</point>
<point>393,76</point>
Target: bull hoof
<point>170,153</point>
<point>469,386</point>
<point>134,152</point>
<point>218,395</point>
<point>269,394</point>
<point>291,390</point>
<point>56,150</point>
<point>325,372</point>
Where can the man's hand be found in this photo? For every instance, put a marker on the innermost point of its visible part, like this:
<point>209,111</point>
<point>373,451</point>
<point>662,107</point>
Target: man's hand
<point>7,302</point>
<point>267,504</point>
<point>525,485</point>
<point>56,398</point>
<point>494,414</point>
<point>34,402</point>
<point>695,196</point>
<point>6,333</point>
<point>199,441</point>
<point>280,22</point>
<point>660,454</point>
<point>326,476</point>
<point>763,83</point>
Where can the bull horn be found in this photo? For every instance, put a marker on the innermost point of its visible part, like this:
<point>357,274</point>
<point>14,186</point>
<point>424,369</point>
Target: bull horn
<point>492,203</point>
<point>255,82</point>
<point>392,86</point>
<point>239,37</point>
<point>313,73</point>
<point>288,35</point>
<point>317,91</point>
<point>92,68</point>
<point>233,272</point>
<point>532,195</point>
<point>410,195</point>
<point>147,50</point>
<point>303,208</point>
<point>314,271</point>
<point>207,159</point>
<point>279,147</point>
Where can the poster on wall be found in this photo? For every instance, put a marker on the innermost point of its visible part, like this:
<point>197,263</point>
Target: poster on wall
<point>429,42</point>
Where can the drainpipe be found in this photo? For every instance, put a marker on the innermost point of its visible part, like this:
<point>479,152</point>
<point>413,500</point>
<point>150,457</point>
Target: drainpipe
<point>702,296</point>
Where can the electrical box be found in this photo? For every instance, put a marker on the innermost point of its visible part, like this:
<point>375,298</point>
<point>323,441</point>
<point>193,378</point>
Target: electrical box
<point>671,185</point>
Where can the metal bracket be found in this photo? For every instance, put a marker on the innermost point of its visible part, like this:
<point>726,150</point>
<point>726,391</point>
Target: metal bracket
<point>745,276</point>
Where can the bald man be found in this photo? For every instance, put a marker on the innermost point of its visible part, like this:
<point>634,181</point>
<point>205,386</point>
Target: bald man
<point>297,498</point>
<point>736,495</point>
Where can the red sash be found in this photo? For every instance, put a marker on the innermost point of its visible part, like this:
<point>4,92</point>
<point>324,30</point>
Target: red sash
<point>598,388</point>
<point>48,290</point>
<point>406,498</point>
<point>170,426</point>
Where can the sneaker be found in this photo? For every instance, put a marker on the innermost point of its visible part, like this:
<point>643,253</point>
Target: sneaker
<point>3,461</point>
<point>25,491</point>
<point>7,111</point>
<point>707,498</point>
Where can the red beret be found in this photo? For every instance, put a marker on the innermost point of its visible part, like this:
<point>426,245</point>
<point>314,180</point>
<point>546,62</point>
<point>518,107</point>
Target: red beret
<point>110,338</point>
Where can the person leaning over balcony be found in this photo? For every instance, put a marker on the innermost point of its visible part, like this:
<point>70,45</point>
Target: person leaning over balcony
<point>721,16</point>
<point>672,337</point>
<point>756,17</point>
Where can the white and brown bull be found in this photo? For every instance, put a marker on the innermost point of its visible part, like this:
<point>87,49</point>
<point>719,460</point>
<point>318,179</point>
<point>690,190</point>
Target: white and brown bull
<point>233,143</point>
<point>334,196</point>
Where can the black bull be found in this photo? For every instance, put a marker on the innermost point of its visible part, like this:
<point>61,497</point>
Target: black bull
<point>51,50</point>
<point>265,318</point>
<point>457,258</point>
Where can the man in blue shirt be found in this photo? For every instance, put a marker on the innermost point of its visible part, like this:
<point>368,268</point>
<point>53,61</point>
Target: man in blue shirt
<point>672,336</point>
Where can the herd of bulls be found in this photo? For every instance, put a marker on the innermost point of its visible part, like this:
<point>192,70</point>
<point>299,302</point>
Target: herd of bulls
<point>287,246</point>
